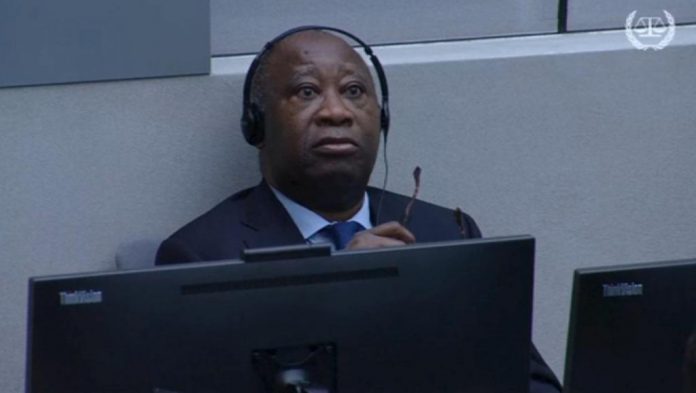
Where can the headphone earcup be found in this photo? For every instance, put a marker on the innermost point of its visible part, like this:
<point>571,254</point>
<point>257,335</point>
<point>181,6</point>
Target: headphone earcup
<point>252,125</point>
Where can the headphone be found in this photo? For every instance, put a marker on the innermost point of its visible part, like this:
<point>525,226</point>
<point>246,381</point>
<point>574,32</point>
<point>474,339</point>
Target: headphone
<point>252,121</point>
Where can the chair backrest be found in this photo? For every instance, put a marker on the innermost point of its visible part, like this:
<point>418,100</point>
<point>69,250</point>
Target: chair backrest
<point>137,254</point>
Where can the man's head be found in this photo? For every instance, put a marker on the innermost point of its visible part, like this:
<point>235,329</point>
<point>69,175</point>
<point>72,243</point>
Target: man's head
<point>321,120</point>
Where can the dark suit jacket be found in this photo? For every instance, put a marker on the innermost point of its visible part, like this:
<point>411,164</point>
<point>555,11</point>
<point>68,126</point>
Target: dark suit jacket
<point>254,218</point>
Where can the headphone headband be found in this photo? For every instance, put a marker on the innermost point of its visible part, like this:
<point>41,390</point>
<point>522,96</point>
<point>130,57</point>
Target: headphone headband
<point>252,123</point>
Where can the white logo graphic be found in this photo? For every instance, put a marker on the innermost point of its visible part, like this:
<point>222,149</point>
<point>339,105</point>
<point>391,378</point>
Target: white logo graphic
<point>650,32</point>
<point>622,289</point>
<point>71,298</point>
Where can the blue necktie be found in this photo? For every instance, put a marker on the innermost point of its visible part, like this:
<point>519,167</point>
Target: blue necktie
<point>341,232</point>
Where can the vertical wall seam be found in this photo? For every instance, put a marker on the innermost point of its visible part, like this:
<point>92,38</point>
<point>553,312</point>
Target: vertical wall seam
<point>562,16</point>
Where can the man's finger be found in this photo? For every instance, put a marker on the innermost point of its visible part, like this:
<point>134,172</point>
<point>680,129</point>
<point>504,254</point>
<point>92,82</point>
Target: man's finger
<point>386,235</point>
<point>367,240</point>
<point>394,230</point>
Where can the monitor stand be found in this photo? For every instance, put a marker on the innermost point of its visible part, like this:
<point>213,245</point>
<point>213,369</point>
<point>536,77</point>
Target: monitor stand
<point>301,369</point>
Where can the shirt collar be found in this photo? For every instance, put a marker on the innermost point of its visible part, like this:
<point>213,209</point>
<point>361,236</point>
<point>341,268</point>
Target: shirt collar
<point>309,222</point>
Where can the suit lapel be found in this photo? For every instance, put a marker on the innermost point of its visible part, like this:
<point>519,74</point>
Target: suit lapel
<point>391,209</point>
<point>265,221</point>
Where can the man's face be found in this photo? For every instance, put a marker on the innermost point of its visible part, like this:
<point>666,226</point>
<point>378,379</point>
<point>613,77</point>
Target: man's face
<point>321,115</point>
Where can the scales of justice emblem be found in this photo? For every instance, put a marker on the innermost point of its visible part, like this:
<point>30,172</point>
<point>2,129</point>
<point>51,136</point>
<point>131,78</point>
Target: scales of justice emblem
<point>650,32</point>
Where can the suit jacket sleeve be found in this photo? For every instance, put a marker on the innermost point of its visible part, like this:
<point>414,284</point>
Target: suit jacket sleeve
<point>541,378</point>
<point>432,223</point>
<point>174,251</point>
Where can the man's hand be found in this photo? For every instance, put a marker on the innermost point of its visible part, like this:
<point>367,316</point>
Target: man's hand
<point>385,235</point>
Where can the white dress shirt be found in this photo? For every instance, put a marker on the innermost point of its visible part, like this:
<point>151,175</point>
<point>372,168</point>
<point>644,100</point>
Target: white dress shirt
<point>310,223</point>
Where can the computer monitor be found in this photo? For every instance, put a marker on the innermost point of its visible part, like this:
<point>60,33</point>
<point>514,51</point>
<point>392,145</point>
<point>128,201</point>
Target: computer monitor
<point>632,329</point>
<point>439,317</point>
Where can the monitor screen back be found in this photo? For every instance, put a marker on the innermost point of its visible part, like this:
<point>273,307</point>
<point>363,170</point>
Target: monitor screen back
<point>441,317</point>
<point>630,328</point>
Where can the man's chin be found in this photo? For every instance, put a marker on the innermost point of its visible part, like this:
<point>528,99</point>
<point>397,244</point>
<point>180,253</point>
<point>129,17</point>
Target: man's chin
<point>339,178</point>
<point>333,190</point>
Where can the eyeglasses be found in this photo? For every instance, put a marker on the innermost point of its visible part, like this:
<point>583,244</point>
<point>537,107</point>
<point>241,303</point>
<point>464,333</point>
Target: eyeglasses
<point>407,211</point>
<point>458,214</point>
<point>459,218</point>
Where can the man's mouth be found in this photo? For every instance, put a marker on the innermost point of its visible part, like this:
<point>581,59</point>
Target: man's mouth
<point>335,146</point>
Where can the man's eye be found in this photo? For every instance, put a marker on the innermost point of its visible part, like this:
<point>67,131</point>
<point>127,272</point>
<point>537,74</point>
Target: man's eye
<point>355,91</point>
<point>306,92</point>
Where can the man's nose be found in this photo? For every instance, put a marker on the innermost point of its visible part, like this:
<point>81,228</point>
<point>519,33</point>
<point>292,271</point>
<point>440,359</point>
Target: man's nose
<point>334,109</point>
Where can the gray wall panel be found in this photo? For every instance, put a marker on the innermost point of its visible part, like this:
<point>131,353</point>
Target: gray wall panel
<point>567,147</point>
<point>600,14</point>
<point>45,42</point>
<point>244,26</point>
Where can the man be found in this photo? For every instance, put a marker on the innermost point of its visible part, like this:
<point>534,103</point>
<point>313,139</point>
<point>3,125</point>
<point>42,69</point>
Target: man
<point>321,129</point>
